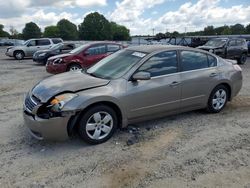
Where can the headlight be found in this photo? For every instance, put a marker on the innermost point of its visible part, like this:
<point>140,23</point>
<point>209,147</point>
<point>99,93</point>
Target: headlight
<point>59,101</point>
<point>58,60</point>
<point>42,54</point>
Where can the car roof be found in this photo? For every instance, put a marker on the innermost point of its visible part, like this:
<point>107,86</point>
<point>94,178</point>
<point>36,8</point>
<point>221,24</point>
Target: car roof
<point>103,42</point>
<point>154,48</point>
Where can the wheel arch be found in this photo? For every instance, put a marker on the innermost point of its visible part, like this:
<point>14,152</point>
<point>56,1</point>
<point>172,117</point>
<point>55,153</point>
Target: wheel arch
<point>19,50</point>
<point>72,124</point>
<point>229,88</point>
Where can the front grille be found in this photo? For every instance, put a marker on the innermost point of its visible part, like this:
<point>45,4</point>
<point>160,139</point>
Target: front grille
<point>30,102</point>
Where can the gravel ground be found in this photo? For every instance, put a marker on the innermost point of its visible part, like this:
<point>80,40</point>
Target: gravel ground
<point>193,149</point>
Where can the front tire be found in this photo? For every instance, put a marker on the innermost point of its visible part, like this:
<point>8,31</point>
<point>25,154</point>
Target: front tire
<point>74,67</point>
<point>18,55</point>
<point>242,60</point>
<point>98,124</point>
<point>218,99</point>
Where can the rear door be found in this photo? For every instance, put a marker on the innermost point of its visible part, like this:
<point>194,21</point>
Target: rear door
<point>94,54</point>
<point>43,44</point>
<point>198,77</point>
<point>232,49</point>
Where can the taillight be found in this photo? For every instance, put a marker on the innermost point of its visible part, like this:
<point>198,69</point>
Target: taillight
<point>237,67</point>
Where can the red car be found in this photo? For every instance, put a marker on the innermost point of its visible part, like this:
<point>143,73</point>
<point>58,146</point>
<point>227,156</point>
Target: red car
<point>81,57</point>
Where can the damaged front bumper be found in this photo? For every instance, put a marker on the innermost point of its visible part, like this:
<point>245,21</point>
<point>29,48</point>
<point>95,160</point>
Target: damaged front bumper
<point>47,129</point>
<point>44,125</point>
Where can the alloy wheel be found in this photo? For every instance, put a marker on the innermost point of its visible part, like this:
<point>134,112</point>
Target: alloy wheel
<point>219,99</point>
<point>99,125</point>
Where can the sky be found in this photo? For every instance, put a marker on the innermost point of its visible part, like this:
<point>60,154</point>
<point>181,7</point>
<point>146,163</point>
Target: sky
<point>140,16</point>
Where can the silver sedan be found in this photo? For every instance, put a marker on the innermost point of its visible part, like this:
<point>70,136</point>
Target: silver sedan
<point>132,85</point>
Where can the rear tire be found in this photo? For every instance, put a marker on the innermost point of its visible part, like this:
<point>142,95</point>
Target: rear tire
<point>18,55</point>
<point>74,67</point>
<point>98,124</point>
<point>242,60</point>
<point>218,99</point>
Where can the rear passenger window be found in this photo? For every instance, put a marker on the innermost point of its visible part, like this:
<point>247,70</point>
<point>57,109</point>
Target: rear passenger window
<point>193,60</point>
<point>113,48</point>
<point>240,42</point>
<point>43,42</point>
<point>161,64</point>
<point>96,50</point>
<point>212,61</point>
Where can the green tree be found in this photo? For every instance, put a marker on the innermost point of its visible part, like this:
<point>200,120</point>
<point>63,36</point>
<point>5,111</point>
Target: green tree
<point>67,30</point>
<point>119,32</point>
<point>51,31</point>
<point>226,31</point>
<point>95,27</point>
<point>237,29</point>
<point>175,34</point>
<point>209,30</point>
<point>248,29</point>
<point>31,30</point>
<point>2,32</point>
<point>160,36</point>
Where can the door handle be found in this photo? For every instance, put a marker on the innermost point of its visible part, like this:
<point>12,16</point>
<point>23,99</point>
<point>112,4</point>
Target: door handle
<point>213,74</point>
<point>173,84</point>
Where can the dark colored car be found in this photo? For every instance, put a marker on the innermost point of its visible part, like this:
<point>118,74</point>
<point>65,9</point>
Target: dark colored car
<point>81,57</point>
<point>42,56</point>
<point>228,48</point>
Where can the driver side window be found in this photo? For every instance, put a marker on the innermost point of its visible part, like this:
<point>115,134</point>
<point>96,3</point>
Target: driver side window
<point>32,43</point>
<point>162,63</point>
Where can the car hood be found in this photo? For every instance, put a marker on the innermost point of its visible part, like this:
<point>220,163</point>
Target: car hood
<point>60,56</point>
<point>209,47</point>
<point>66,82</point>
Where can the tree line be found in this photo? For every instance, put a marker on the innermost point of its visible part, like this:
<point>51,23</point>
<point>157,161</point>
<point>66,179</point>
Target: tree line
<point>94,27</point>
<point>237,29</point>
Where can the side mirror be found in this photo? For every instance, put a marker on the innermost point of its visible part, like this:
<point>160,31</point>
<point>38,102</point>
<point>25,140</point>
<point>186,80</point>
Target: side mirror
<point>141,76</point>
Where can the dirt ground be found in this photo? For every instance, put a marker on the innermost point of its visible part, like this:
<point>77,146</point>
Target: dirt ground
<point>193,149</point>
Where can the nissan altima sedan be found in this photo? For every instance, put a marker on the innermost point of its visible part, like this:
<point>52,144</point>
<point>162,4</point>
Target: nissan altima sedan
<point>131,85</point>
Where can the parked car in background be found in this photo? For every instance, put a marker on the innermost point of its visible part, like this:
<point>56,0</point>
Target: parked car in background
<point>131,85</point>
<point>81,57</point>
<point>30,47</point>
<point>42,56</point>
<point>229,48</point>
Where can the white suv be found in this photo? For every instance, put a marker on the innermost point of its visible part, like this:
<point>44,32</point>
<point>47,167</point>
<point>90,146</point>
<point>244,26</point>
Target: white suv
<point>30,47</point>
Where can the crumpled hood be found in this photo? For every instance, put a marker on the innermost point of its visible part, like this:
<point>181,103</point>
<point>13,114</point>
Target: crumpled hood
<point>60,56</point>
<point>65,82</point>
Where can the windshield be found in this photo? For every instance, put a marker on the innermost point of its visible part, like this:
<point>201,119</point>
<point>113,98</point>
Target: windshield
<point>57,46</point>
<point>116,65</point>
<point>79,49</point>
<point>216,42</point>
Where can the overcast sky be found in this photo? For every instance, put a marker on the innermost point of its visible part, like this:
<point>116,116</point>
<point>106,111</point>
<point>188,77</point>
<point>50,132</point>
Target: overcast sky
<point>140,16</point>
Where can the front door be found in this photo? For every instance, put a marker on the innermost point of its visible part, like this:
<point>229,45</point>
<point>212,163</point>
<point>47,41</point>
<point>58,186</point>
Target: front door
<point>160,94</point>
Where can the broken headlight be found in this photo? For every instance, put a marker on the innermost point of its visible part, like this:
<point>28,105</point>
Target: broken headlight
<point>59,101</point>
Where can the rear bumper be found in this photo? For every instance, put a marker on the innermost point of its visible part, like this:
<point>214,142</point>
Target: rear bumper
<point>47,129</point>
